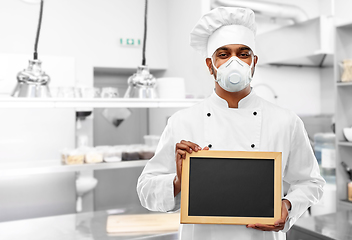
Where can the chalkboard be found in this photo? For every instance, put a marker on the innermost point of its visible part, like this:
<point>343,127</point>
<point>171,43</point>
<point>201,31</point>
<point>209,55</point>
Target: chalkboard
<point>231,187</point>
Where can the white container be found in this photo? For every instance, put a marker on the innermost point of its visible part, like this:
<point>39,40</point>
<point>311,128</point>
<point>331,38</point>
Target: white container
<point>113,154</point>
<point>94,156</point>
<point>71,157</point>
<point>325,152</point>
<point>109,92</point>
<point>83,185</point>
<point>348,134</point>
<point>327,203</point>
<point>151,140</point>
<point>171,87</point>
<point>88,92</point>
<point>131,152</point>
<point>146,152</point>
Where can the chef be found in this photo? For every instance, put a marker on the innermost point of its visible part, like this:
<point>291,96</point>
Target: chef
<point>233,118</point>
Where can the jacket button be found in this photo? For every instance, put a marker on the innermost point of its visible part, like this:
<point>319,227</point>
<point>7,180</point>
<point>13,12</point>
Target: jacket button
<point>209,145</point>
<point>252,146</point>
<point>208,114</point>
<point>255,113</point>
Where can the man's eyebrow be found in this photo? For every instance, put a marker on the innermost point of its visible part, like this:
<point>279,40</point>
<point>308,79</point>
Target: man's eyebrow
<point>222,48</point>
<point>241,48</point>
<point>244,48</point>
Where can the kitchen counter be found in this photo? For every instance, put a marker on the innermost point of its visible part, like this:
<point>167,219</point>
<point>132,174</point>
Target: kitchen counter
<point>336,226</point>
<point>92,226</point>
<point>81,226</point>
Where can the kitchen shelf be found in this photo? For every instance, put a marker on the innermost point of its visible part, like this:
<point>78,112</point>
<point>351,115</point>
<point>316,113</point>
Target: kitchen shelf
<point>124,70</point>
<point>343,84</point>
<point>343,24</point>
<point>313,44</point>
<point>343,99</point>
<point>95,103</point>
<point>55,166</point>
<point>345,143</point>
<point>346,203</point>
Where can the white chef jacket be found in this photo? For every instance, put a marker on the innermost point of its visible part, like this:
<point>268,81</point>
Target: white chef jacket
<point>256,125</point>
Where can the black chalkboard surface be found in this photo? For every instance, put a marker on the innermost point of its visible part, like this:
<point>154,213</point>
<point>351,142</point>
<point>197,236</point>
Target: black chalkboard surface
<point>228,187</point>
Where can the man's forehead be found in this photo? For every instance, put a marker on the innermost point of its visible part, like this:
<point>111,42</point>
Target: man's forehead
<point>234,47</point>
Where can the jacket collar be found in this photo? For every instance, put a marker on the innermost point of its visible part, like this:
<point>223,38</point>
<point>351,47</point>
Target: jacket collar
<point>249,101</point>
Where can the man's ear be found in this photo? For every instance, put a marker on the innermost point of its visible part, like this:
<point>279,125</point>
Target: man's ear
<point>255,60</point>
<point>210,65</point>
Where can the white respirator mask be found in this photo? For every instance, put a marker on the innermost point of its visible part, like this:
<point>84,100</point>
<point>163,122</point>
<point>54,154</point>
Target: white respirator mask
<point>234,75</point>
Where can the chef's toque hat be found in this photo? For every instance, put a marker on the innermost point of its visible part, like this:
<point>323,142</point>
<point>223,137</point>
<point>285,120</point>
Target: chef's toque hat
<point>222,26</point>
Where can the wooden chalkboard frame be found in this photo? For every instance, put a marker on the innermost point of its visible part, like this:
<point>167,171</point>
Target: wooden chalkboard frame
<point>185,186</point>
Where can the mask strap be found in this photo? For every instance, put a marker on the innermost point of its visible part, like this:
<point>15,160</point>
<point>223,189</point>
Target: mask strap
<point>250,68</point>
<point>213,64</point>
<point>252,63</point>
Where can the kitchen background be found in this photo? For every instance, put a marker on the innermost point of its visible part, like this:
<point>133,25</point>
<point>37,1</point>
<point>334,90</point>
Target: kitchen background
<point>82,45</point>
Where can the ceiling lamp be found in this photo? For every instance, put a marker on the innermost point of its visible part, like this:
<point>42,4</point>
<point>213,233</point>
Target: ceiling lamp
<point>142,83</point>
<point>33,82</point>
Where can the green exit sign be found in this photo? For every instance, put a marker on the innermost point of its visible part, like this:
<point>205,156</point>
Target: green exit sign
<point>130,42</point>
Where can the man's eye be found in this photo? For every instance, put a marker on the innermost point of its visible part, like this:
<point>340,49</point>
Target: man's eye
<point>245,55</point>
<point>222,55</point>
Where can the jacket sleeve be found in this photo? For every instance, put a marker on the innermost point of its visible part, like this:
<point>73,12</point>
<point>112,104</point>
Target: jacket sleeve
<point>303,174</point>
<point>155,185</point>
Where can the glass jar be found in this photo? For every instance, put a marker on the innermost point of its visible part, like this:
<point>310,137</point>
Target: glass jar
<point>325,152</point>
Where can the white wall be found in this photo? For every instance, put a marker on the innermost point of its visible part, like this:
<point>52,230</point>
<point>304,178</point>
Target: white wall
<point>343,7</point>
<point>183,60</point>
<point>32,135</point>
<point>87,30</point>
<point>312,8</point>
<point>307,91</point>
<point>327,90</point>
<point>297,88</point>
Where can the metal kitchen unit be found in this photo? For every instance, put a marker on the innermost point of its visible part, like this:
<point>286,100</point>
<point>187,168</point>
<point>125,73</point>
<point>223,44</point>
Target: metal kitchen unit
<point>38,162</point>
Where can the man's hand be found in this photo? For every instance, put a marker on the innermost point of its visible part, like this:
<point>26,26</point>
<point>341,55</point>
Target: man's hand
<point>182,148</point>
<point>279,224</point>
